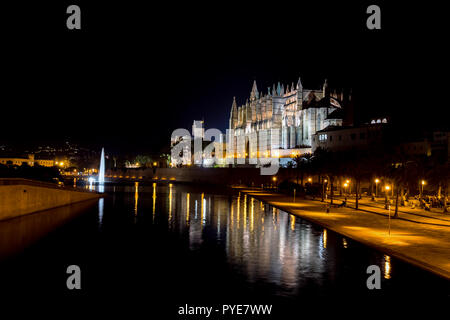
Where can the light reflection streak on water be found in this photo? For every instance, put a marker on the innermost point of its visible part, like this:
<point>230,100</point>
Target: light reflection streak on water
<point>245,211</point>
<point>203,209</point>
<point>231,215</point>
<point>195,210</point>
<point>136,197</point>
<point>387,267</point>
<point>252,215</point>
<point>154,200</point>
<point>101,203</point>
<point>188,198</point>
<point>170,201</point>
<point>238,206</point>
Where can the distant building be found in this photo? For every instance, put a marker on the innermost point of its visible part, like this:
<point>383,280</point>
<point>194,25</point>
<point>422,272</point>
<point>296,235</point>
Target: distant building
<point>337,138</point>
<point>376,134</point>
<point>30,160</point>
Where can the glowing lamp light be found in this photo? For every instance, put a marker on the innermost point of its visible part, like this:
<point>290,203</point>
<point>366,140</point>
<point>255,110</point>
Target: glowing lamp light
<point>347,181</point>
<point>309,179</point>
<point>155,163</point>
<point>274,178</point>
<point>377,180</point>
<point>346,185</point>
<point>387,188</point>
<point>423,182</point>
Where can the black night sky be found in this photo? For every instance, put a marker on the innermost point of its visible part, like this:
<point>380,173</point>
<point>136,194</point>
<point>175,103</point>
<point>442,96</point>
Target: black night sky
<point>134,73</point>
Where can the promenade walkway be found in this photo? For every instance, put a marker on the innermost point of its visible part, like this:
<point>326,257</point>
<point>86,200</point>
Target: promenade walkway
<point>421,238</point>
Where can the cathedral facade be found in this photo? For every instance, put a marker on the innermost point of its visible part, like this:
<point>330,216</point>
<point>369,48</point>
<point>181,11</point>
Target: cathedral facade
<point>280,123</point>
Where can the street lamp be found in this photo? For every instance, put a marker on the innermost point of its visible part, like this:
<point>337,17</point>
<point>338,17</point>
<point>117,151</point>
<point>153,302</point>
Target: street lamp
<point>386,189</point>
<point>324,195</point>
<point>376,187</point>
<point>422,183</point>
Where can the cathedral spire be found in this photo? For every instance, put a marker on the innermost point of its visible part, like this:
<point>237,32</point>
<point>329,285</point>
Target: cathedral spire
<point>325,87</point>
<point>234,116</point>
<point>278,89</point>
<point>299,84</point>
<point>254,94</point>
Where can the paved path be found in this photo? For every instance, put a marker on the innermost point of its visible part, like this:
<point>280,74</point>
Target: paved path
<point>416,215</point>
<point>423,241</point>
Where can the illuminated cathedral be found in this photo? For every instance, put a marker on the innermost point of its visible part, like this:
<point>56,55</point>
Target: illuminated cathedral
<point>280,123</point>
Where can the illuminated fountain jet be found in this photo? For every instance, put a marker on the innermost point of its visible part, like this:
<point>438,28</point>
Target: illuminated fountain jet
<point>101,171</point>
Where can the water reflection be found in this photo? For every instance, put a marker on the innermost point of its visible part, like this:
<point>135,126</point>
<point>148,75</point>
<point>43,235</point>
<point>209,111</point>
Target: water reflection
<point>259,244</point>
<point>170,202</point>
<point>101,203</point>
<point>154,200</point>
<point>136,197</point>
<point>18,233</point>
<point>263,243</point>
<point>387,267</point>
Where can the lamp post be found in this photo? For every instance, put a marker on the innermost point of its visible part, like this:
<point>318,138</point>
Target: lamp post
<point>275,181</point>
<point>324,195</point>
<point>422,183</point>
<point>386,189</point>
<point>376,187</point>
<point>389,223</point>
<point>345,191</point>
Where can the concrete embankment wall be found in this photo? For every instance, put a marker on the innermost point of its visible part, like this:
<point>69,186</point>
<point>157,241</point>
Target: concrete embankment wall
<point>221,176</point>
<point>19,197</point>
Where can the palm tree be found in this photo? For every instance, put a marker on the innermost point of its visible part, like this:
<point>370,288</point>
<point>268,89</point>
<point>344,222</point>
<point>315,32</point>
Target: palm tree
<point>301,165</point>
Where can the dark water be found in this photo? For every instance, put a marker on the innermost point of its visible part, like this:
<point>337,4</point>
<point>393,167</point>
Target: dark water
<point>153,248</point>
